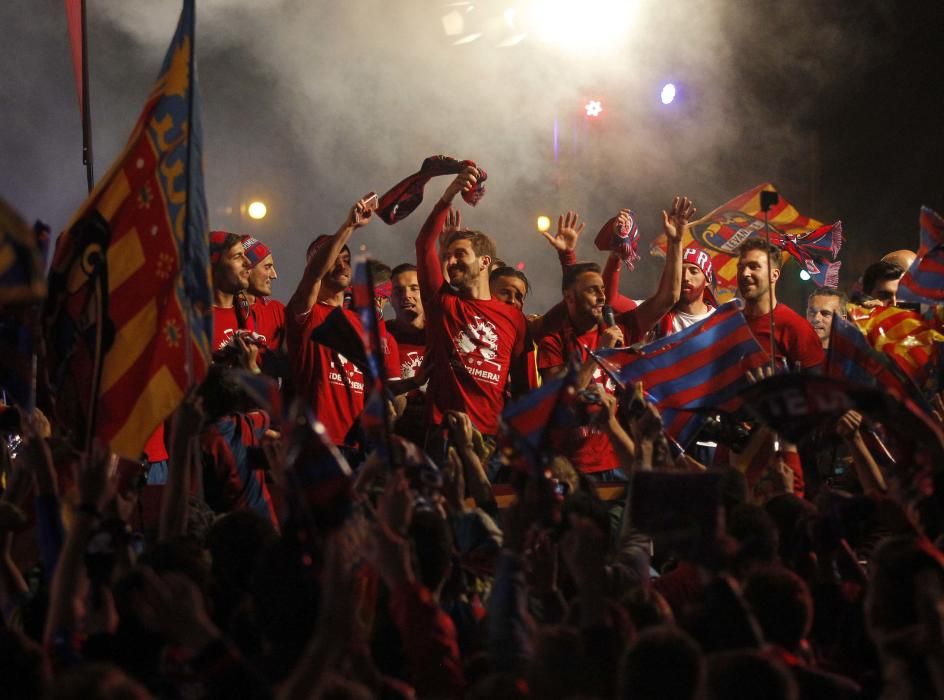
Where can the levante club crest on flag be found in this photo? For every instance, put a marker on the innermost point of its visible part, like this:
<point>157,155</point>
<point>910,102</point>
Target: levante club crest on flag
<point>127,319</point>
<point>720,234</point>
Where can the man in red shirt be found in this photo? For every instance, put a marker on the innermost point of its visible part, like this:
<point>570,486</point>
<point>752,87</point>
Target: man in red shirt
<point>229,269</point>
<point>330,383</point>
<point>408,327</point>
<point>584,328</point>
<point>472,339</point>
<point>795,341</point>
<point>268,314</point>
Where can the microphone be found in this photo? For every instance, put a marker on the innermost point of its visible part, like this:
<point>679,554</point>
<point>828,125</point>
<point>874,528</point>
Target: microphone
<point>609,318</point>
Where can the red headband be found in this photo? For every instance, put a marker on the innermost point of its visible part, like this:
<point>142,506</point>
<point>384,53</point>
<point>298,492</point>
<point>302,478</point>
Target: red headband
<point>255,250</point>
<point>699,259</point>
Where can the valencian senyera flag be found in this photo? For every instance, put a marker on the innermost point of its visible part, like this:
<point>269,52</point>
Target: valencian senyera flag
<point>127,320</point>
<point>720,234</point>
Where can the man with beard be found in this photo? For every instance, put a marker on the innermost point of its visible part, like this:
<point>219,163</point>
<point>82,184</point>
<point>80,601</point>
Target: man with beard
<point>229,272</point>
<point>696,300</point>
<point>268,314</point>
<point>824,304</point>
<point>795,341</point>
<point>596,448</point>
<point>330,383</point>
<point>472,339</point>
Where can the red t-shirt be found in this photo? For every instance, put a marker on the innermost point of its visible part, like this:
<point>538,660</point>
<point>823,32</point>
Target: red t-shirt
<point>333,385</point>
<point>411,346</point>
<point>470,342</point>
<point>471,345</point>
<point>794,337</point>
<point>268,317</point>
<point>155,450</point>
<point>591,449</point>
<point>391,352</point>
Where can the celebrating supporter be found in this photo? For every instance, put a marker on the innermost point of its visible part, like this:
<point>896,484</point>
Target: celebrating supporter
<point>880,282</point>
<point>408,327</point>
<point>696,300</point>
<point>268,314</point>
<point>586,328</point>
<point>324,377</point>
<point>230,269</point>
<point>822,306</point>
<point>795,341</point>
<point>472,339</point>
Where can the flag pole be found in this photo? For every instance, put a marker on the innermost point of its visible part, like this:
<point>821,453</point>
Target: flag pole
<point>191,88</point>
<point>767,200</point>
<point>86,106</point>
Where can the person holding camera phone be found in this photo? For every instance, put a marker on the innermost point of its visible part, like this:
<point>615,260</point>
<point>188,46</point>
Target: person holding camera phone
<point>590,325</point>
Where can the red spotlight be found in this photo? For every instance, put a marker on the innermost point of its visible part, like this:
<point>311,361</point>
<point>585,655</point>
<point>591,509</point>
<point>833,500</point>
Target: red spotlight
<point>519,266</point>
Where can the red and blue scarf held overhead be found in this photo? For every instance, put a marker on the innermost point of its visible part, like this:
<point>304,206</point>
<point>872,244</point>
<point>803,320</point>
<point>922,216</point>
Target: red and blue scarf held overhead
<point>403,198</point>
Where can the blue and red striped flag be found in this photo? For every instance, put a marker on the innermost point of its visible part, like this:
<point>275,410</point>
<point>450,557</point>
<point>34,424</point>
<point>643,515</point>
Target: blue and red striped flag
<point>531,419</point>
<point>699,369</point>
<point>127,320</point>
<point>923,282</point>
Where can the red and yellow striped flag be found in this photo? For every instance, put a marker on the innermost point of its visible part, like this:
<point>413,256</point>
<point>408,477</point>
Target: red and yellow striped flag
<point>905,336</point>
<point>127,319</point>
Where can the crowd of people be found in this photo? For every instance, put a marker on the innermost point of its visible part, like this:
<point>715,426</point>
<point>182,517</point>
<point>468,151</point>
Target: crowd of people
<point>303,546</point>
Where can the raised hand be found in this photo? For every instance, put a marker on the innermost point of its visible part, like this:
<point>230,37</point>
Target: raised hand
<point>464,182</point>
<point>362,211</point>
<point>675,221</point>
<point>453,224</point>
<point>568,232</point>
<point>622,219</point>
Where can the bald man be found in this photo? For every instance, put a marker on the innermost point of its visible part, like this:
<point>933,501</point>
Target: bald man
<point>903,258</point>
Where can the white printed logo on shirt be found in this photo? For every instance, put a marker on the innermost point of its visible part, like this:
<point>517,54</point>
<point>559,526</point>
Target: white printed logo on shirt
<point>477,345</point>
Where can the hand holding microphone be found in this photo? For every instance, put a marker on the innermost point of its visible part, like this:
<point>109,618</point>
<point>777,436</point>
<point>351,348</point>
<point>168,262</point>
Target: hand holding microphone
<point>610,336</point>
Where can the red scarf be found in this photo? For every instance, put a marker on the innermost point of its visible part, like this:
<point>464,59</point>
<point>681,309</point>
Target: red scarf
<point>400,200</point>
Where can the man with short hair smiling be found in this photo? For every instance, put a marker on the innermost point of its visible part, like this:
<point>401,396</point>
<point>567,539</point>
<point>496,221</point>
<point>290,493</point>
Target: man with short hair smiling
<point>229,272</point>
<point>472,339</point>
<point>408,327</point>
<point>331,384</point>
<point>823,305</point>
<point>794,338</point>
<point>509,286</point>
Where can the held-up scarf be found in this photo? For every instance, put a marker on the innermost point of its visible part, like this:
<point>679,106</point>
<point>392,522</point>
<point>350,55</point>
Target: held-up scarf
<point>814,250</point>
<point>620,239</point>
<point>400,200</point>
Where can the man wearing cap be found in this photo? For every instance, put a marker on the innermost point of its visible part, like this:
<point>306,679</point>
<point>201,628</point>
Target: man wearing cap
<point>229,270</point>
<point>268,314</point>
<point>696,300</point>
<point>330,383</point>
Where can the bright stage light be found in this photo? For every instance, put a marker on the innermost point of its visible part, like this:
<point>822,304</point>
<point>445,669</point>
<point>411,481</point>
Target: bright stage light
<point>668,93</point>
<point>257,210</point>
<point>593,108</point>
<point>805,276</point>
<point>544,223</point>
<point>580,26</point>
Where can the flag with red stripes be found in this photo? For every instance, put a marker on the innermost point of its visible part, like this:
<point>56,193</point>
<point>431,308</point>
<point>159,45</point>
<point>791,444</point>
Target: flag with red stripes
<point>923,282</point>
<point>699,369</point>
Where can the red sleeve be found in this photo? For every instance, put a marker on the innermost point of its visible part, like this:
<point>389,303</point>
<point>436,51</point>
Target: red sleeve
<point>553,320</point>
<point>551,352</point>
<point>428,266</point>
<point>611,280</point>
<point>632,333</point>
<point>567,258</point>
<point>391,352</point>
<point>429,642</point>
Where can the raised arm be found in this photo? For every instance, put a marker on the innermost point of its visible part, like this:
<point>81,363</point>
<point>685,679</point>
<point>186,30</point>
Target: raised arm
<point>320,263</point>
<point>428,265</point>
<point>667,295</point>
<point>565,240</point>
